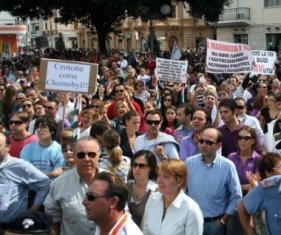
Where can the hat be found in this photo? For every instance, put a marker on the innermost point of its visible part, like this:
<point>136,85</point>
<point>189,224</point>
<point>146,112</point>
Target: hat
<point>30,221</point>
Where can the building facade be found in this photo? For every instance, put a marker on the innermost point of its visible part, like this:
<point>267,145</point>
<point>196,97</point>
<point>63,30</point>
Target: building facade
<point>254,23</point>
<point>188,31</point>
<point>12,35</point>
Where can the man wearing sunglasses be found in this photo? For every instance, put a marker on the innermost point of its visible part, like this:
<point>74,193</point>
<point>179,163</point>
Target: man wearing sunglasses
<point>213,183</point>
<point>105,204</point>
<point>162,144</point>
<point>64,201</point>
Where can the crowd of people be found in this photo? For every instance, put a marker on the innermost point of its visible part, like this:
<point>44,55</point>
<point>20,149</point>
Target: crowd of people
<point>151,157</point>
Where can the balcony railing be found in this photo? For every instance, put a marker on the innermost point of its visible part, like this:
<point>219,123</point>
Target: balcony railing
<point>239,14</point>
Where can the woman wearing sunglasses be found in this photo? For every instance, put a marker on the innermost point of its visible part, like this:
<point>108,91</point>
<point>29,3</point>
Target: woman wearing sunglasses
<point>245,159</point>
<point>142,183</point>
<point>171,211</point>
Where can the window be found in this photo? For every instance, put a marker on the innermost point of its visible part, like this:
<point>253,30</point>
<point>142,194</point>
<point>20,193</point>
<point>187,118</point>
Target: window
<point>272,3</point>
<point>241,38</point>
<point>273,41</point>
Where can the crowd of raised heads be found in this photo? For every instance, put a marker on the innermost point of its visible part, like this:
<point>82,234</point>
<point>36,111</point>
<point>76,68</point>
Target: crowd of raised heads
<point>181,158</point>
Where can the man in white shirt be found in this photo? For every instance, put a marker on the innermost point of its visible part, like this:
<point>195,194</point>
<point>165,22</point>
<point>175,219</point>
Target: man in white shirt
<point>64,201</point>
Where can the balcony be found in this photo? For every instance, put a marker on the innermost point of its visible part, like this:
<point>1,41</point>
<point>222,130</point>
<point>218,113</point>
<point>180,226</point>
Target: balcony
<point>234,17</point>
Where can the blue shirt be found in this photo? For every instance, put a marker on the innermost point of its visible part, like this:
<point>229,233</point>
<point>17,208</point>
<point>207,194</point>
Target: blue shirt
<point>215,187</point>
<point>267,195</point>
<point>20,176</point>
<point>46,159</point>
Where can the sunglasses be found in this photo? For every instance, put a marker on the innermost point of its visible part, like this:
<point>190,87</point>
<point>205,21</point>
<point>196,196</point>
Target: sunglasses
<point>208,142</point>
<point>240,106</point>
<point>27,106</point>
<point>151,122</point>
<point>245,138</point>
<point>16,123</point>
<point>91,197</point>
<point>139,165</point>
<point>81,155</point>
<point>49,107</point>
<point>96,106</point>
<point>117,91</point>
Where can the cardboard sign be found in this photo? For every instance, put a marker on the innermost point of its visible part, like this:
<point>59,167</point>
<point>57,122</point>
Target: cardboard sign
<point>224,57</point>
<point>171,70</point>
<point>264,62</point>
<point>67,76</point>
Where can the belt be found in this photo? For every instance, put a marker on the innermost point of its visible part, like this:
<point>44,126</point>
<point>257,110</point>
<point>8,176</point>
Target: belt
<point>212,219</point>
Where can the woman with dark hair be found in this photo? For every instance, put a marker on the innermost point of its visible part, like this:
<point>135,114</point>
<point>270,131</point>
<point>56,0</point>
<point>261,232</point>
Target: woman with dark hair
<point>169,120</point>
<point>167,102</point>
<point>245,159</point>
<point>101,93</point>
<point>141,182</point>
<point>131,121</point>
<point>114,162</point>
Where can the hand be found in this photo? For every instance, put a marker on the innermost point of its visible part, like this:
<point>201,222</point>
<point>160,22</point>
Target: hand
<point>159,151</point>
<point>252,178</point>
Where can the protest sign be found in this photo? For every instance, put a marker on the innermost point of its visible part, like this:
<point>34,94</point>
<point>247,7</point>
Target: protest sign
<point>171,70</point>
<point>264,62</point>
<point>224,57</point>
<point>67,76</point>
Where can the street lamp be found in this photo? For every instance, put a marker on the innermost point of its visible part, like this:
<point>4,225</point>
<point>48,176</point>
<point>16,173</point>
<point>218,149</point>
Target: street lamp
<point>165,10</point>
<point>147,13</point>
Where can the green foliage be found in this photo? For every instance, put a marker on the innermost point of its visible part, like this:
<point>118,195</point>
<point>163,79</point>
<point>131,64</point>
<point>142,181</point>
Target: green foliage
<point>156,44</point>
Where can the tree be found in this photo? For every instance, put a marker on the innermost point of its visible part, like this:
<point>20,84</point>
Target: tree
<point>105,16</point>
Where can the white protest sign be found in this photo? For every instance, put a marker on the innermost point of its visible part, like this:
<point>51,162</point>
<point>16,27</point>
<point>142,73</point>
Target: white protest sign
<point>69,76</point>
<point>171,70</point>
<point>225,57</point>
<point>264,62</point>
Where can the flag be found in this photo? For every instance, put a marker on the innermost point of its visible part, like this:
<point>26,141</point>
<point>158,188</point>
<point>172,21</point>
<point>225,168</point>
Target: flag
<point>176,52</point>
<point>75,113</point>
<point>1,46</point>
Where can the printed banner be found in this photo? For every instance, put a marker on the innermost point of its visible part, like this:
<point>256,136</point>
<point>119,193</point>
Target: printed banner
<point>171,70</point>
<point>224,57</point>
<point>264,62</point>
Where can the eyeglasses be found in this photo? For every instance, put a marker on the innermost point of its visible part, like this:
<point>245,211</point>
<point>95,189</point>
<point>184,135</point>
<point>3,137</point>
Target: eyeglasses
<point>117,91</point>
<point>65,149</point>
<point>139,165</point>
<point>208,142</point>
<point>81,155</point>
<point>27,106</point>
<point>245,138</point>
<point>16,123</point>
<point>91,197</point>
<point>49,107</point>
<point>96,106</point>
<point>41,127</point>
<point>151,122</point>
<point>240,106</point>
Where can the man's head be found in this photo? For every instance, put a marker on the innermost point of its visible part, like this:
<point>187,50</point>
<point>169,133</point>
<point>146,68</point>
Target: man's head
<point>18,123</point>
<point>4,146</point>
<point>31,94</point>
<point>87,153</point>
<point>228,110</point>
<point>153,122</point>
<point>46,128</point>
<point>51,108</point>
<point>210,142</point>
<point>106,196</point>
<point>209,99</point>
<point>241,106</point>
<point>184,114</point>
<point>119,91</point>
<point>200,120</point>
<point>224,92</point>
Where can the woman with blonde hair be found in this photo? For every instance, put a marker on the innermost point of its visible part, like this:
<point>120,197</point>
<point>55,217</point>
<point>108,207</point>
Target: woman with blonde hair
<point>114,162</point>
<point>171,211</point>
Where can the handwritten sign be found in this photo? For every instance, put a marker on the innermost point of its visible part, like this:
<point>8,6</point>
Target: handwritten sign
<point>264,62</point>
<point>69,76</point>
<point>224,57</point>
<point>171,70</point>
